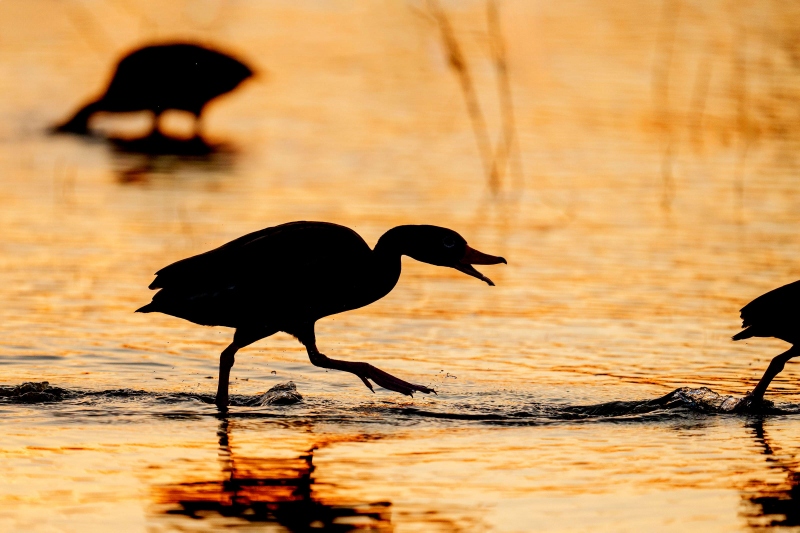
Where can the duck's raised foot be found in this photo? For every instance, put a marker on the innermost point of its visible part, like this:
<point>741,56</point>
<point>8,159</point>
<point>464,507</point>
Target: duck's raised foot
<point>367,372</point>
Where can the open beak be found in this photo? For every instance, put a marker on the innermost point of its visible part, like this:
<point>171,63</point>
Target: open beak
<point>474,257</point>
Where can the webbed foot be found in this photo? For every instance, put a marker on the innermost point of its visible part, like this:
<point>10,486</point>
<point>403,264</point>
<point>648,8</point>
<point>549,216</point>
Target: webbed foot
<point>368,372</point>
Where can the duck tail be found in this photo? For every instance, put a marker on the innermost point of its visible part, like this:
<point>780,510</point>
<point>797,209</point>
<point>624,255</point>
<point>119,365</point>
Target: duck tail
<point>746,333</point>
<point>149,308</point>
<point>79,123</point>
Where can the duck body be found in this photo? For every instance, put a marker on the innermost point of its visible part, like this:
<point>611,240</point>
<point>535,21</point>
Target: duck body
<point>280,278</point>
<point>156,78</point>
<point>287,277</point>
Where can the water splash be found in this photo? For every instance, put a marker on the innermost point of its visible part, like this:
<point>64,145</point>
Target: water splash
<point>35,392</point>
<point>706,400</point>
<point>284,401</point>
<point>280,394</point>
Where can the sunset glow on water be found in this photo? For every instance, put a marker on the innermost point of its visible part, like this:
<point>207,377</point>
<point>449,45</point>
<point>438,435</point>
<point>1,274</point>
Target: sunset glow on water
<point>648,192</point>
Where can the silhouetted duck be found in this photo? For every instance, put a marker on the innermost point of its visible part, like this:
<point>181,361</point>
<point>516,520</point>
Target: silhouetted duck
<point>161,77</point>
<point>774,314</point>
<point>287,277</point>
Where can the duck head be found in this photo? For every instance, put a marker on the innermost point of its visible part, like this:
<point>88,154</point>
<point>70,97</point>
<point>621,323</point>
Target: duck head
<point>442,247</point>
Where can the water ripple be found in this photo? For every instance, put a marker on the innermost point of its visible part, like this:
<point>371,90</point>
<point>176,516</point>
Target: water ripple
<point>283,401</point>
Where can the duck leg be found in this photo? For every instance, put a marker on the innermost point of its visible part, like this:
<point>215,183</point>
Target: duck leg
<point>155,129</point>
<point>198,126</point>
<point>775,367</point>
<point>226,360</point>
<point>366,372</point>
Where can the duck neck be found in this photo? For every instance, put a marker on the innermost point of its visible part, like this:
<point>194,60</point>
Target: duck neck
<point>388,250</point>
<point>392,244</point>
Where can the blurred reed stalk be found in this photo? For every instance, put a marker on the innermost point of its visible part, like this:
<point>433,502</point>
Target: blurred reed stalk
<point>89,28</point>
<point>739,90</point>
<point>458,63</point>
<point>508,151</point>
<point>702,81</point>
<point>662,64</point>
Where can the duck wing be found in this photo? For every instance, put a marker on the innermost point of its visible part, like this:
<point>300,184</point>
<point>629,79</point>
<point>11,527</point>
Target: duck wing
<point>283,272</point>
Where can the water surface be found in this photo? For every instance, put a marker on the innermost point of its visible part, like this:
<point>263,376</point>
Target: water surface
<point>649,194</point>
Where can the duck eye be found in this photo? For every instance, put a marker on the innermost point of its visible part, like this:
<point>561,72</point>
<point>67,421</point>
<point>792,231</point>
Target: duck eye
<point>448,242</point>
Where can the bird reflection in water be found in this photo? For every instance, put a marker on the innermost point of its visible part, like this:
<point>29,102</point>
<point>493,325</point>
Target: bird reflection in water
<point>773,503</point>
<point>139,160</point>
<point>264,490</point>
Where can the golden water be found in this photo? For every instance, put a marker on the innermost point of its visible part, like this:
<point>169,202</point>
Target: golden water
<point>652,195</point>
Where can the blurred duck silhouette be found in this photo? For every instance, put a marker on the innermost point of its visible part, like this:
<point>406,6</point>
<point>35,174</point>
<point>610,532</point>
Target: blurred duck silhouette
<point>287,277</point>
<point>774,314</point>
<point>177,76</point>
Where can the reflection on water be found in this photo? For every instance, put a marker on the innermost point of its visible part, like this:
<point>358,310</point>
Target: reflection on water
<point>138,160</point>
<point>159,144</point>
<point>337,461</point>
<point>261,489</point>
<point>773,502</point>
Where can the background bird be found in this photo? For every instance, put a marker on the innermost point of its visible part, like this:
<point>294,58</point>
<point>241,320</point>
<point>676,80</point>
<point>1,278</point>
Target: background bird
<point>156,78</point>
<point>774,314</point>
<point>287,277</point>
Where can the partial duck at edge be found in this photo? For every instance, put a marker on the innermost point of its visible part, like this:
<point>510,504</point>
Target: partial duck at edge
<point>773,314</point>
